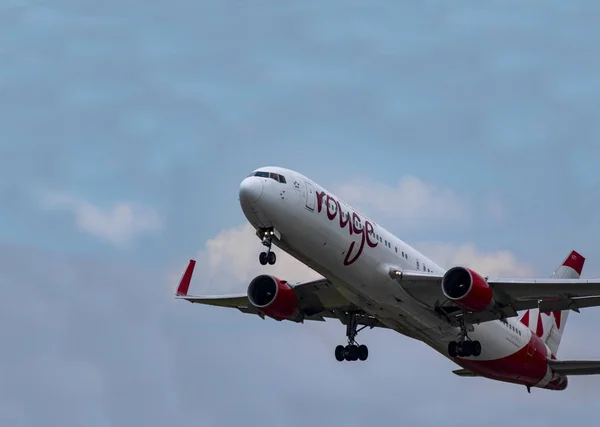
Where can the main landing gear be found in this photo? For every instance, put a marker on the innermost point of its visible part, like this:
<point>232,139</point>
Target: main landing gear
<point>268,256</point>
<point>352,351</point>
<point>465,347</point>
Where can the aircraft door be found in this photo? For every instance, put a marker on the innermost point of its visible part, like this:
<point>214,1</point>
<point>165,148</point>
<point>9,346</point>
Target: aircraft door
<point>310,196</point>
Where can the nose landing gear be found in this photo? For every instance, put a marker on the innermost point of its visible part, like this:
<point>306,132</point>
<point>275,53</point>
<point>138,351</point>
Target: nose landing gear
<point>267,257</point>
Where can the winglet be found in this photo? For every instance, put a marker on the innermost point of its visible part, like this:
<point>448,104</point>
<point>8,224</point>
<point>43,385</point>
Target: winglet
<point>575,261</point>
<point>184,283</point>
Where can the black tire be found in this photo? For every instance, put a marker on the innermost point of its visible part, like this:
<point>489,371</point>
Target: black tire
<point>476,348</point>
<point>347,353</point>
<point>452,349</point>
<point>262,258</point>
<point>272,258</point>
<point>339,353</point>
<point>354,353</point>
<point>363,352</point>
<point>467,349</point>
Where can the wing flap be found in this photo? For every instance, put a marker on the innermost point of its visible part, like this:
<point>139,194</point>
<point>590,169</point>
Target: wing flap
<point>575,367</point>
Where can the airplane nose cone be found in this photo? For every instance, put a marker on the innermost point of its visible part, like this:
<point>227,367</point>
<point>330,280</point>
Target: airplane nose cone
<point>251,189</point>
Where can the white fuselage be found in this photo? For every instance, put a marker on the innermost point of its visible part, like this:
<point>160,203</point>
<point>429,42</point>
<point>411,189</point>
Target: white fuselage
<point>307,220</point>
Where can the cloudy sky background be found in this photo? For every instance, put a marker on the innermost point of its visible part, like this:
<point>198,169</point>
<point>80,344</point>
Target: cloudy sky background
<point>468,128</point>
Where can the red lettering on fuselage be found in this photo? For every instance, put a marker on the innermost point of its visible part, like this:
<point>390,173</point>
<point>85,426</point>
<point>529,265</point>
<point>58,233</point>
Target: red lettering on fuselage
<point>353,222</point>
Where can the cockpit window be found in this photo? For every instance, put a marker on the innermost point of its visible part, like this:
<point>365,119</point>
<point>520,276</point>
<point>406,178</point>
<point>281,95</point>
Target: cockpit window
<point>272,175</point>
<point>278,177</point>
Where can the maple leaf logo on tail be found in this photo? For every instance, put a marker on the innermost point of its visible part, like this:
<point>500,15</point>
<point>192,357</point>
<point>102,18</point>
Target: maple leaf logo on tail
<point>557,316</point>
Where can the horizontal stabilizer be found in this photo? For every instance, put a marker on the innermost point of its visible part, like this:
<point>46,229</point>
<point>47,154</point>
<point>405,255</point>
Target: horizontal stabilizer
<point>575,367</point>
<point>464,373</point>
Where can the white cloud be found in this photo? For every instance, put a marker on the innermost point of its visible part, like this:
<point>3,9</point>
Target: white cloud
<point>118,225</point>
<point>494,208</point>
<point>412,201</point>
<point>229,261</point>
<point>418,204</point>
<point>497,263</point>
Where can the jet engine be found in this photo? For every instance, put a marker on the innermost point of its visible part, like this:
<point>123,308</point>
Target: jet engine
<point>273,297</point>
<point>467,289</point>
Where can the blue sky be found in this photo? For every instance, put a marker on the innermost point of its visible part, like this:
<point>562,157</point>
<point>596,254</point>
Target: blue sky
<point>160,109</point>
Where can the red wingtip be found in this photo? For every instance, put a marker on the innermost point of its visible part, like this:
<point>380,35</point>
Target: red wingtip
<point>575,261</point>
<point>184,283</point>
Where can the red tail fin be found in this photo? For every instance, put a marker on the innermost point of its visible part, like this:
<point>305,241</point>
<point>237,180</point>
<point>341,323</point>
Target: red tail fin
<point>184,283</point>
<point>550,326</point>
<point>575,261</point>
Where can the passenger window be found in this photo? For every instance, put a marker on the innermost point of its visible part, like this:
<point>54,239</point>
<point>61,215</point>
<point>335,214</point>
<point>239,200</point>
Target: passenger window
<point>396,249</point>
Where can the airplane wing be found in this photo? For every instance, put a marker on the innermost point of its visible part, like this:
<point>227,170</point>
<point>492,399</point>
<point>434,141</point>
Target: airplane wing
<point>510,295</point>
<point>575,367</point>
<point>317,300</point>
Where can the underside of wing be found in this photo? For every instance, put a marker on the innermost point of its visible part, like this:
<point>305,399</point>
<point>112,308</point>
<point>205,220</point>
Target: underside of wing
<point>271,297</point>
<point>575,367</point>
<point>239,301</point>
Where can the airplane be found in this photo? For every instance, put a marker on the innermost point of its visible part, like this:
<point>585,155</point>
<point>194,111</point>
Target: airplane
<point>371,278</point>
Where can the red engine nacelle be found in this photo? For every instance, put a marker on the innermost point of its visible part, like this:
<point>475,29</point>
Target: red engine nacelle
<point>273,297</point>
<point>467,289</point>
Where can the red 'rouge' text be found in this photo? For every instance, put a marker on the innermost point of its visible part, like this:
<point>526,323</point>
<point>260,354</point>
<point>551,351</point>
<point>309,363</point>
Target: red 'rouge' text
<point>354,225</point>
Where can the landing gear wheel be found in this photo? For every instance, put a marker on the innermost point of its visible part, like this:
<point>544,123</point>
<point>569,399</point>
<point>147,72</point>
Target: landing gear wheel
<point>263,258</point>
<point>352,351</point>
<point>267,257</point>
<point>347,355</point>
<point>452,349</point>
<point>467,349</point>
<point>464,349</point>
<point>363,352</point>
